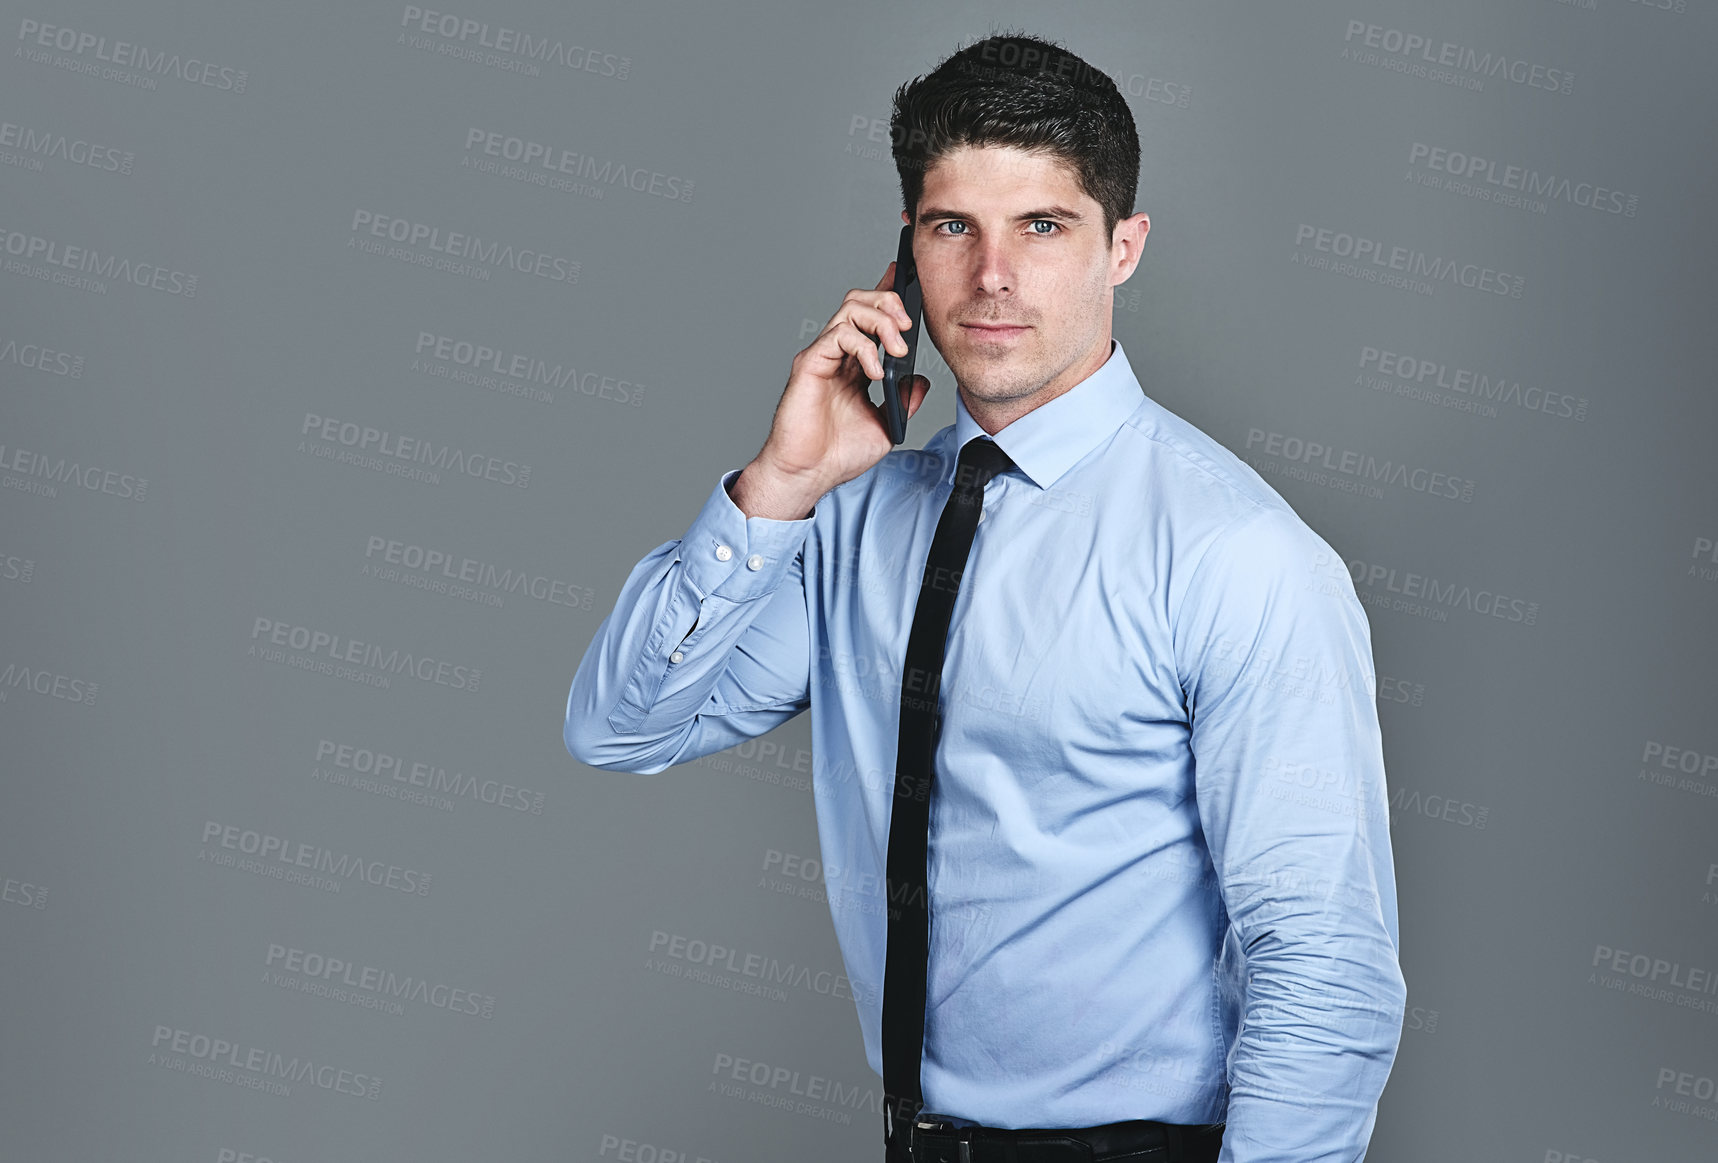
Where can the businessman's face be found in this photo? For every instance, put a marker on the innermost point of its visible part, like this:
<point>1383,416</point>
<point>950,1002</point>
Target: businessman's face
<point>1017,275</point>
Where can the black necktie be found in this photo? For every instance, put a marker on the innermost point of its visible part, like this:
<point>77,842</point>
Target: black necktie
<point>909,820</point>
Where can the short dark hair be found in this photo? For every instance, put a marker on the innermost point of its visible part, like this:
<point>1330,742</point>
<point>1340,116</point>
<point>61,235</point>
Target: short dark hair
<point>1023,91</point>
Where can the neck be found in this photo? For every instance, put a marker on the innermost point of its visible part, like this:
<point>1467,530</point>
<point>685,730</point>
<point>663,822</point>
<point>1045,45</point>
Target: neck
<point>994,415</point>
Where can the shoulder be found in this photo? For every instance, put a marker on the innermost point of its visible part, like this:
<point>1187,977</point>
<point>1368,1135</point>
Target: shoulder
<point>1231,532</point>
<point>1192,470</point>
<point>1207,498</point>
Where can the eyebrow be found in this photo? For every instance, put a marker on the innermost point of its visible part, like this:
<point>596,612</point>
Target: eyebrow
<point>1062,213</point>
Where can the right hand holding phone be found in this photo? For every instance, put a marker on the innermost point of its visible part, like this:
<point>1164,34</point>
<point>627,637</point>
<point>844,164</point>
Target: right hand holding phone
<point>826,430</point>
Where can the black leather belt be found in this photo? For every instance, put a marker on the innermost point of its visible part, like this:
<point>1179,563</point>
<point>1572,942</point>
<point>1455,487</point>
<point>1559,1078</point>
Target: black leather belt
<point>936,1138</point>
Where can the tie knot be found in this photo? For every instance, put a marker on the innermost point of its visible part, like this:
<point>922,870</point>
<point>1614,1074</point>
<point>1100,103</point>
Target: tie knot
<point>980,459</point>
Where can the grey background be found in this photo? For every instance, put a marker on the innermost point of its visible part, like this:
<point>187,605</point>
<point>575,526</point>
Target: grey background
<point>1530,833</point>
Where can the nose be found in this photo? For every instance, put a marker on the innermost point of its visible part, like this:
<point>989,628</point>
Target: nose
<point>995,273</point>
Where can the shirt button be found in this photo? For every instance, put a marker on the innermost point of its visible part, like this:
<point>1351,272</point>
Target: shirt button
<point>723,553</point>
<point>676,656</point>
<point>755,561</point>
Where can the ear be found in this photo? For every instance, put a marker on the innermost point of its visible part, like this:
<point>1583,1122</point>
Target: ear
<point>1127,244</point>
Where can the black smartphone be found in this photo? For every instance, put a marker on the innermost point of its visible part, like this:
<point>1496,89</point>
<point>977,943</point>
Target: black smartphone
<point>898,369</point>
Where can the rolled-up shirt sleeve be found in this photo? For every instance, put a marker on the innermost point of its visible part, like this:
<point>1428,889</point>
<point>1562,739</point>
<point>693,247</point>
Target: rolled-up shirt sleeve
<point>707,645</point>
<point>1274,654</point>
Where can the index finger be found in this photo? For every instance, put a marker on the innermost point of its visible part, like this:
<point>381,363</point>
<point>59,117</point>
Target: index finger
<point>888,283</point>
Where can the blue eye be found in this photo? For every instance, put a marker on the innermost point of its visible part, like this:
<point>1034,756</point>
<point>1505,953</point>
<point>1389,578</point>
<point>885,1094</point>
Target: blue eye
<point>1055,227</point>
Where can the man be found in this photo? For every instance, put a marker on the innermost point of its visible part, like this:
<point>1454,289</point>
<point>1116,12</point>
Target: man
<point>1162,915</point>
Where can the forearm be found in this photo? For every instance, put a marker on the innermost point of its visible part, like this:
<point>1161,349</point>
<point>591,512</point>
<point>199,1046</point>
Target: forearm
<point>725,602</point>
<point>1321,1023</point>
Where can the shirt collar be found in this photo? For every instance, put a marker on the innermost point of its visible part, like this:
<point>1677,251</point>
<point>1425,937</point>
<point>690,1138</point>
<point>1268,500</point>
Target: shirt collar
<point>1053,437</point>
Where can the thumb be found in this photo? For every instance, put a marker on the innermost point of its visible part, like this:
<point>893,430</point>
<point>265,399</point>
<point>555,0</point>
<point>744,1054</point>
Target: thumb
<point>919,389</point>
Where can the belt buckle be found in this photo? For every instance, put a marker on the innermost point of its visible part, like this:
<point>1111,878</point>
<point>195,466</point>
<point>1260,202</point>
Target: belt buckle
<point>943,1125</point>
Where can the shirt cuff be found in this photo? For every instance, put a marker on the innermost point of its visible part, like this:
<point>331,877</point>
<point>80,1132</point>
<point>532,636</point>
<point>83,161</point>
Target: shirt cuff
<point>739,558</point>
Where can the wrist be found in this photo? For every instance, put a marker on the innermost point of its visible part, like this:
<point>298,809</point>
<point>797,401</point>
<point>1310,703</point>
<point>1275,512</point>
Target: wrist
<point>760,491</point>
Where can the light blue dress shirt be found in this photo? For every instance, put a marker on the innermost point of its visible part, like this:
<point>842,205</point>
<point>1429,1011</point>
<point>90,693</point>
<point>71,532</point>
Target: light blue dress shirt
<point>1160,869</point>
